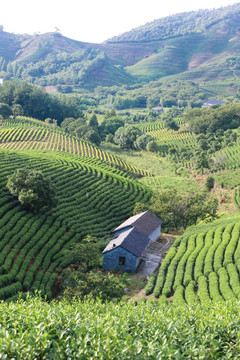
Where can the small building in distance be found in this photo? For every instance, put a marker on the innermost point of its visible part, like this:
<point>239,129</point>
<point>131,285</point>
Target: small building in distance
<point>158,109</point>
<point>130,240</point>
<point>210,102</point>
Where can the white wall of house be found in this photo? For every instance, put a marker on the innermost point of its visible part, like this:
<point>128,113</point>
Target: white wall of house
<point>155,234</point>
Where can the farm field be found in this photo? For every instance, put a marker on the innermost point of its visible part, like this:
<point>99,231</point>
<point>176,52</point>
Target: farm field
<point>203,264</point>
<point>31,136</point>
<point>164,172</point>
<point>108,331</point>
<point>92,201</point>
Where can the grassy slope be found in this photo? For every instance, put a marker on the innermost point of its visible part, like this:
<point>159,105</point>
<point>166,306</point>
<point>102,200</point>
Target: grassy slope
<point>32,246</point>
<point>163,170</point>
<point>198,55</point>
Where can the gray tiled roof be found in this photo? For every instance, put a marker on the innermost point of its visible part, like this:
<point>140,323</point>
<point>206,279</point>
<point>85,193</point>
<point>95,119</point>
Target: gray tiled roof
<point>146,222</point>
<point>131,240</point>
<point>214,102</point>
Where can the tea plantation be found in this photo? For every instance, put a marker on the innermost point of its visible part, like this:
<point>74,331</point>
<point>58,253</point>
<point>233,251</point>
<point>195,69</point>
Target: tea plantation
<point>92,201</point>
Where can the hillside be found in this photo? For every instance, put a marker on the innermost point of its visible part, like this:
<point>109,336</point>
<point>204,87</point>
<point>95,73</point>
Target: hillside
<point>203,264</point>
<point>95,193</point>
<point>194,22</point>
<point>199,45</point>
<point>32,246</point>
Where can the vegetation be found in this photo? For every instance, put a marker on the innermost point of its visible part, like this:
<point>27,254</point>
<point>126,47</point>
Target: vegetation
<point>92,201</point>
<point>177,25</point>
<point>211,119</point>
<point>203,264</point>
<point>28,134</point>
<point>87,329</point>
<point>105,153</point>
<point>181,210</point>
<point>32,189</point>
<point>35,102</point>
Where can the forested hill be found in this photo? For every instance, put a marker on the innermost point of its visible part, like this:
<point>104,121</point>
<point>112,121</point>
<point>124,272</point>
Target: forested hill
<point>200,46</point>
<point>194,22</point>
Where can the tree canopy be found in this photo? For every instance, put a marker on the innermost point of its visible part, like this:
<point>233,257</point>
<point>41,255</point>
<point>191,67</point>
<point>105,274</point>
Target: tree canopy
<point>36,102</point>
<point>33,190</point>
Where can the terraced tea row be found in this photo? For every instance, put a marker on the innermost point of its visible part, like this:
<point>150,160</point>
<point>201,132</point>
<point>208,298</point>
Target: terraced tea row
<point>92,201</point>
<point>203,264</point>
<point>236,197</point>
<point>156,125</point>
<point>169,135</point>
<point>36,138</point>
<point>227,158</point>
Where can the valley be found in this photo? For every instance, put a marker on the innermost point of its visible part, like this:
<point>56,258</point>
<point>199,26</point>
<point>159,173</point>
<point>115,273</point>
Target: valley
<point>112,155</point>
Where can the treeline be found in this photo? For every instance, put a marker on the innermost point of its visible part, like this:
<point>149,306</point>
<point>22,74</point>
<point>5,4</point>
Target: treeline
<point>193,22</point>
<point>209,120</point>
<point>57,68</point>
<point>35,102</point>
<point>156,93</point>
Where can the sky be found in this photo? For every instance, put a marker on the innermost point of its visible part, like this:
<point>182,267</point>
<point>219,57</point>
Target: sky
<point>92,20</point>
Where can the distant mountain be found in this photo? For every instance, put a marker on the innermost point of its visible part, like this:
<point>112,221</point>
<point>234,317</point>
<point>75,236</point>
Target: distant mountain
<point>187,23</point>
<point>199,45</point>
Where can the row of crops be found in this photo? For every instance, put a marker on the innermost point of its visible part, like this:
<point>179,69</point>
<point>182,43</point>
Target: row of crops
<point>157,125</point>
<point>169,135</point>
<point>47,139</point>
<point>178,144</point>
<point>236,197</point>
<point>34,329</point>
<point>227,158</point>
<point>202,265</point>
<point>92,201</point>
<point>25,121</point>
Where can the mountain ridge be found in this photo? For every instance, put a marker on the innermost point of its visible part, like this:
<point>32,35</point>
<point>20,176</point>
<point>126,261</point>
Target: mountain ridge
<point>176,45</point>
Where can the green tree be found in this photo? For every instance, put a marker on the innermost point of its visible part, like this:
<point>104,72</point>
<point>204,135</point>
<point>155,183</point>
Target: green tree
<point>5,110</point>
<point>75,283</point>
<point>209,183</point>
<point>171,124</point>
<point>201,161</point>
<point>17,110</point>
<point>87,254</point>
<point>33,190</point>
<point>126,136</point>
<point>93,136</point>
<point>139,208</point>
<point>181,210</point>
<point>93,122</point>
<point>152,146</point>
<point>142,141</point>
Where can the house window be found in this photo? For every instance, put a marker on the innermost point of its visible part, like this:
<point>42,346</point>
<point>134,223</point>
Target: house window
<point>121,260</point>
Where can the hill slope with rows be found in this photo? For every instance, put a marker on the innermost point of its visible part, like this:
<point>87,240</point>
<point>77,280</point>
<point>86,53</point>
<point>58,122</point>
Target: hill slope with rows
<point>25,134</point>
<point>92,201</point>
<point>203,264</point>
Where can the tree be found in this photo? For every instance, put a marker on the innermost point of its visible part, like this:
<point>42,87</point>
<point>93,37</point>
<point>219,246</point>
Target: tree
<point>93,136</point>
<point>139,208</point>
<point>142,141</point>
<point>86,254</point>
<point>152,146</point>
<point>110,126</point>
<point>126,136</point>
<point>17,110</point>
<point>201,161</point>
<point>93,122</point>
<point>182,210</point>
<point>75,283</point>
<point>5,110</point>
<point>33,189</point>
<point>209,183</point>
<point>170,124</point>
